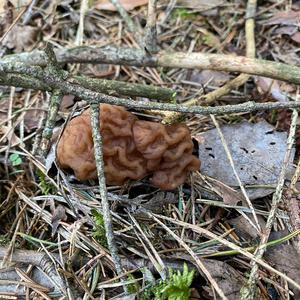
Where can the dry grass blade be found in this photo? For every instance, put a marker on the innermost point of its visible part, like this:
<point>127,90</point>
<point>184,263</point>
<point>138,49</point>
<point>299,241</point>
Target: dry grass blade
<point>257,227</point>
<point>194,256</point>
<point>92,241</point>
<point>230,245</point>
<point>155,258</point>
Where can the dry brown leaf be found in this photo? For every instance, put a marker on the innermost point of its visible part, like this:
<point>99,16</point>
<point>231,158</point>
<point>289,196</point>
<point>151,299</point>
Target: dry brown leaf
<point>296,37</point>
<point>21,37</point>
<point>244,229</point>
<point>286,260</point>
<point>271,86</point>
<point>67,102</point>
<point>214,78</point>
<point>227,278</point>
<point>228,194</point>
<point>58,215</point>
<point>284,18</point>
<point>15,3</point>
<point>289,30</point>
<point>5,130</point>
<point>31,120</point>
<point>127,4</point>
<point>257,151</point>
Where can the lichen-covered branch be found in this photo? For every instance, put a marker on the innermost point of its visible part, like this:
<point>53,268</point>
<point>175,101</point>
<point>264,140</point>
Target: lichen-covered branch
<point>137,57</point>
<point>113,87</point>
<point>110,87</point>
<point>150,38</point>
<point>54,69</point>
<point>234,83</point>
<point>55,101</point>
<point>95,115</point>
<point>54,83</point>
<point>129,22</point>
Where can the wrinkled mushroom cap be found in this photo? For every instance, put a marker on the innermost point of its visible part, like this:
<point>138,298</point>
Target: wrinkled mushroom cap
<point>132,149</point>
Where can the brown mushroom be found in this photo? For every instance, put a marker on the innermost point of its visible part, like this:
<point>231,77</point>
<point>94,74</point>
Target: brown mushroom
<point>132,149</point>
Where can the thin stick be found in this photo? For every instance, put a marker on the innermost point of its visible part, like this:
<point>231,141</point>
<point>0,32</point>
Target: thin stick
<point>13,24</point>
<point>137,57</point>
<point>224,143</point>
<point>127,19</point>
<point>29,12</point>
<point>95,116</point>
<point>67,88</point>
<point>84,5</point>
<point>194,256</point>
<point>211,97</point>
<point>150,30</point>
<point>249,291</point>
<point>291,201</point>
<point>231,245</point>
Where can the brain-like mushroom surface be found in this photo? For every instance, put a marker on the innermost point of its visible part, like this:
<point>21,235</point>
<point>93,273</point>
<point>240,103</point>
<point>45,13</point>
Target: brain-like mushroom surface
<point>132,149</point>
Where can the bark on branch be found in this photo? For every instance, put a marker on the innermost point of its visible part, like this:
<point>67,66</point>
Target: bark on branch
<point>136,57</point>
<point>25,75</point>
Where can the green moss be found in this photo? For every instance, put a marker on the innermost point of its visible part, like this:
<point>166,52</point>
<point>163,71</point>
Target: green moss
<point>46,187</point>
<point>183,14</point>
<point>99,228</point>
<point>175,287</point>
<point>133,287</point>
<point>3,240</point>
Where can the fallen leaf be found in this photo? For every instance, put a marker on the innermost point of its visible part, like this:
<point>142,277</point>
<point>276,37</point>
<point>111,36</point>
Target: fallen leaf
<point>214,78</point>
<point>21,37</point>
<point>296,37</point>
<point>256,149</point>
<point>284,18</point>
<point>244,229</point>
<point>271,86</point>
<point>127,4</point>
<point>291,57</point>
<point>5,130</point>
<point>286,260</point>
<point>228,279</point>
<point>228,194</point>
<point>58,215</point>
<point>7,15</point>
<point>289,30</point>
<point>67,102</point>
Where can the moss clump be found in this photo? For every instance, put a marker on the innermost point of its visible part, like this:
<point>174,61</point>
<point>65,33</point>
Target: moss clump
<point>99,228</point>
<point>175,287</point>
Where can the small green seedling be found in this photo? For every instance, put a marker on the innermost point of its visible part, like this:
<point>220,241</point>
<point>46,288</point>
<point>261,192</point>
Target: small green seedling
<point>15,159</point>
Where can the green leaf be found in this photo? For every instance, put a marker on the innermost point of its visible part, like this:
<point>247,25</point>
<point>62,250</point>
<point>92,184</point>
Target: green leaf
<point>15,159</point>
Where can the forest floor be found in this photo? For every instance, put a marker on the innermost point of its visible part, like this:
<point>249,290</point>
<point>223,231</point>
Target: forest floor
<point>234,223</point>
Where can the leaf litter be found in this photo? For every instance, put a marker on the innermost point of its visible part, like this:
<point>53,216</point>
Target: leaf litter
<point>52,214</point>
<point>257,151</point>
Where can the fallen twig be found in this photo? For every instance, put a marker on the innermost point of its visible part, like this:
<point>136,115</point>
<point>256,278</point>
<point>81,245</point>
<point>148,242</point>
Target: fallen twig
<point>130,24</point>
<point>137,57</point>
<point>150,38</point>
<point>249,291</point>
<point>95,115</point>
<point>52,82</point>
<point>234,83</point>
